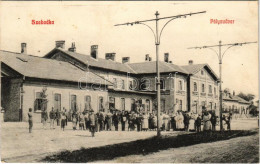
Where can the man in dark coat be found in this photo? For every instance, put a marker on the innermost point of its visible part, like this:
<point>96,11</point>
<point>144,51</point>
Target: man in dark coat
<point>198,123</point>
<point>123,120</point>
<point>92,122</point>
<point>52,116</point>
<point>139,122</point>
<point>186,121</point>
<point>101,120</point>
<point>213,121</point>
<point>115,120</point>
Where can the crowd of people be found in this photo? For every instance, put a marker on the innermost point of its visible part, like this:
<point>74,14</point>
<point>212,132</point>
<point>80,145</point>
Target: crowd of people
<point>133,120</point>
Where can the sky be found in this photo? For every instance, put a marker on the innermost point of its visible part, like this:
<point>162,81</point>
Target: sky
<point>92,23</point>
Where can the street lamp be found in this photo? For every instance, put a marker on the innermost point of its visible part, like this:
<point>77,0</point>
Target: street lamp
<point>157,37</point>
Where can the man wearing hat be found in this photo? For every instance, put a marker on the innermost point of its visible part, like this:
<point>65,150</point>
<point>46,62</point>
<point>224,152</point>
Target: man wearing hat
<point>92,122</point>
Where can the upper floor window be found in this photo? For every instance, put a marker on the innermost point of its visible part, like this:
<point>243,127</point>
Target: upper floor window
<point>210,89</point>
<point>215,91</point>
<point>162,84</point>
<point>181,85</point>
<point>202,72</point>
<point>195,86</point>
<point>202,87</point>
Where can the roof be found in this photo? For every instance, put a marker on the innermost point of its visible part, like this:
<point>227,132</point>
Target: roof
<point>134,68</point>
<point>150,67</point>
<point>230,97</point>
<point>99,62</point>
<point>38,67</point>
<point>194,68</point>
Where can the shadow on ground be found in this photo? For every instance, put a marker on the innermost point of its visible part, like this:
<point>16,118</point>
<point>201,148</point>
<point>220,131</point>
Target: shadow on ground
<point>144,146</point>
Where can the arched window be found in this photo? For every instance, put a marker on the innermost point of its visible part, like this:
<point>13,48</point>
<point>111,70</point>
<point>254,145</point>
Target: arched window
<point>195,87</point>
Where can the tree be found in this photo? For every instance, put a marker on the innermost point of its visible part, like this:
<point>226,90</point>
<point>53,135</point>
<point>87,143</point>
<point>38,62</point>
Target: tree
<point>247,97</point>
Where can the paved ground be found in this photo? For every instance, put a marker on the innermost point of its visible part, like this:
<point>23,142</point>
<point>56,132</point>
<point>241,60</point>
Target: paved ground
<point>18,145</point>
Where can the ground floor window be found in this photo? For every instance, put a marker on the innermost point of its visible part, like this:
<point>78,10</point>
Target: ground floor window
<point>111,103</point>
<point>40,104</point>
<point>57,101</point>
<point>122,103</point>
<point>147,105</point>
<point>73,103</point>
<point>101,104</point>
<point>180,104</point>
<point>87,102</point>
<point>163,105</point>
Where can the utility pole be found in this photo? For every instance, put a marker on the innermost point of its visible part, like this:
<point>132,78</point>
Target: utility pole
<point>220,58</point>
<point>157,38</point>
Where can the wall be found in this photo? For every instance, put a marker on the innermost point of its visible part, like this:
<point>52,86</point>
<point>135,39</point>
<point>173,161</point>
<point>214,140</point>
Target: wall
<point>128,97</point>
<point>11,98</point>
<point>30,95</point>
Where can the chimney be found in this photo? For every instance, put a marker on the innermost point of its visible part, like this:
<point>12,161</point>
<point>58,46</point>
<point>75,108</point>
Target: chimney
<point>94,51</point>
<point>60,44</point>
<point>72,48</point>
<point>147,57</point>
<point>166,57</point>
<point>23,48</point>
<point>234,93</point>
<point>190,62</point>
<point>125,60</point>
<point>150,58</point>
<point>110,56</point>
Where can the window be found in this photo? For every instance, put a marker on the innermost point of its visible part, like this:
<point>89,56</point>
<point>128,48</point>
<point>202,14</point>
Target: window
<point>57,101</point>
<point>87,102</point>
<point>73,103</point>
<point>180,105</point>
<point>211,105</point>
<point>215,91</point>
<point>122,103</point>
<point>162,84</point>
<point>111,103</point>
<point>195,87</point>
<point>215,107</point>
<point>202,88</point>
<point>202,72</point>
<point>147,105</point>
<point>40,103</point>
<point>115,82</point>
<point>133,105</point>
<point>123,84</point>
<point>163,105</point>
<point>181,85</point>
<point>210,89</point>
<point>101,104</point>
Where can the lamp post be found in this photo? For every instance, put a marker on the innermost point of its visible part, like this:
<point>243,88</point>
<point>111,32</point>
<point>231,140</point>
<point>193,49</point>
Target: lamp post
<point>157,37</point>
<point>220,58</point>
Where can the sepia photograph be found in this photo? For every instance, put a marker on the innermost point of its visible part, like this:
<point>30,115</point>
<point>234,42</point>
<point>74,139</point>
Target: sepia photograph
<point>129,82</point>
